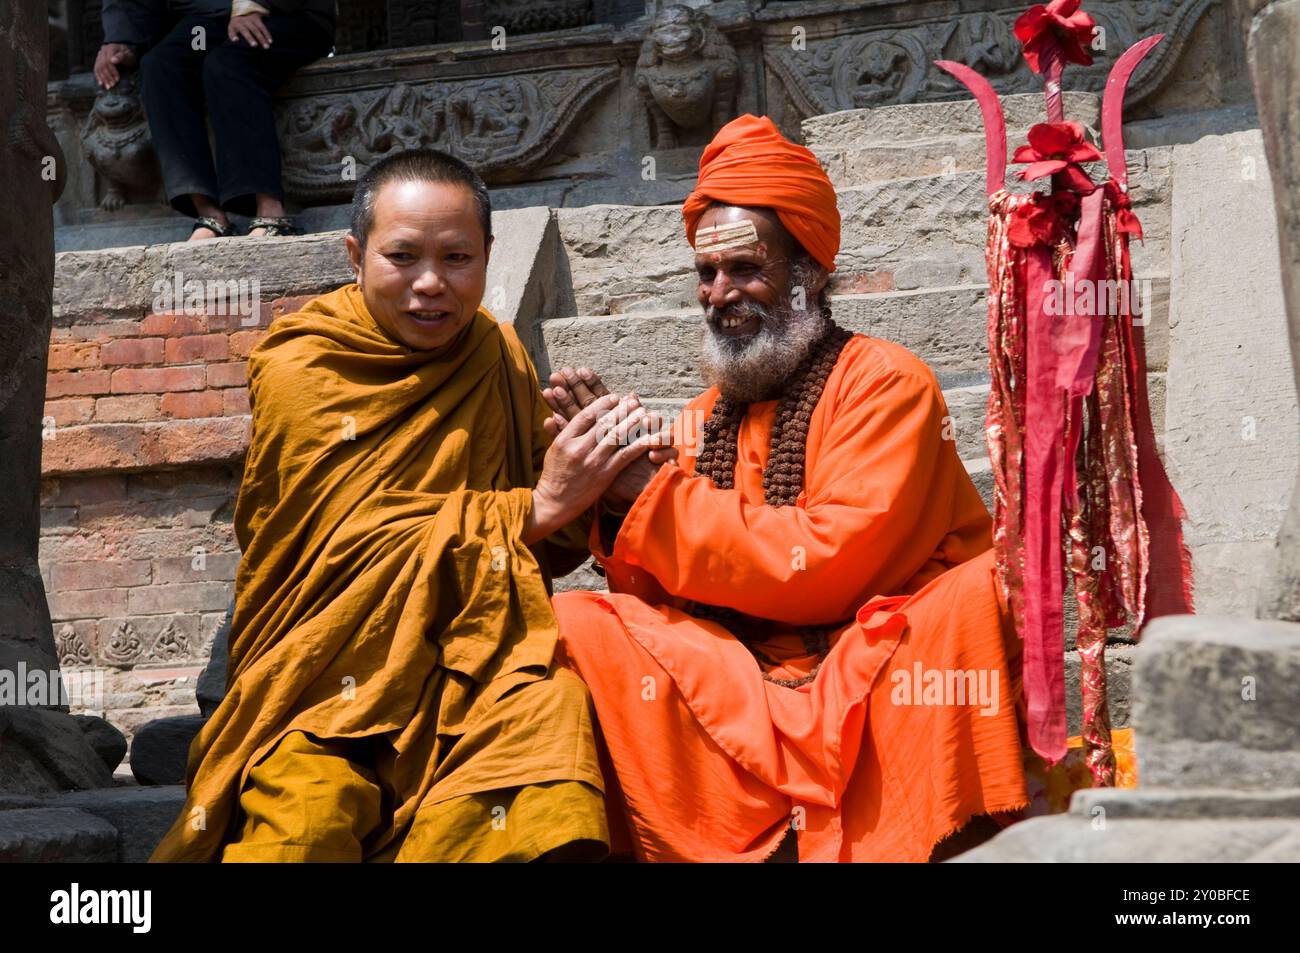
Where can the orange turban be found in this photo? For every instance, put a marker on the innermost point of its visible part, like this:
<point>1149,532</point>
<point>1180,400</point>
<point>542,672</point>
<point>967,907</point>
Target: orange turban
<point>750,163</point>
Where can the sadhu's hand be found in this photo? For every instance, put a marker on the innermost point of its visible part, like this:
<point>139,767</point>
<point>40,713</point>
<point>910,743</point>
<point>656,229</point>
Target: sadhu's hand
<point>249,28</point>
<point>573,389</point>
<point>107,61</point>
<point>585,459</point>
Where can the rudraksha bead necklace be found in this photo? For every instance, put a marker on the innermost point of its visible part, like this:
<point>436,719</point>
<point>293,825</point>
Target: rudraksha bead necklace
<point>783,476</point>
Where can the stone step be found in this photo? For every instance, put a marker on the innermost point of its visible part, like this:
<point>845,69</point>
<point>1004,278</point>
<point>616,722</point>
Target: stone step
<point>102,825</point>
<point>895,125</point>
<point>1065,838</point>
<point>901,234</point>
<point>1185,803</point>
<point>858,146</point>
<point>654,352</point>
<point>55,835</point>
<point>139,815</point>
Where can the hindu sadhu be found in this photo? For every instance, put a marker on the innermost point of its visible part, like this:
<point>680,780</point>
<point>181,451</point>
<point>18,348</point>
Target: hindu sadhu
<point>392,693</point>
<point>803,635</point>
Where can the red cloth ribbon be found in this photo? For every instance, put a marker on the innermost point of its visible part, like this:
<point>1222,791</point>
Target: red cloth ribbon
<point>1125,219</point>
<point>1044,667</point>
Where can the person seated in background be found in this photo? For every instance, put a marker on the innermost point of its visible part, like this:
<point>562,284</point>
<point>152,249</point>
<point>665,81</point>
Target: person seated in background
<point>391,688</point>
<point>804,650</point>
<point>217,61</point>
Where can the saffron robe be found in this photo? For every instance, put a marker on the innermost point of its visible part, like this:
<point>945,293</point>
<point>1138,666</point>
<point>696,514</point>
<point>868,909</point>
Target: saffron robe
<point>705,760</point>
<point>385,594</point>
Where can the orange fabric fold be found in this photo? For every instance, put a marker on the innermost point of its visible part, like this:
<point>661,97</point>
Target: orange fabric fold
<point>750,163</point>
<point>709,761</point>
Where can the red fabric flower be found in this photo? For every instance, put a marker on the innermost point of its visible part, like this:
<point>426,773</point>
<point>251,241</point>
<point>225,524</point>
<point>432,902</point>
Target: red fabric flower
<point>1031,224</point>
<point>1043,219</point>
<point>1056,148</point>
<point>1060,24</point>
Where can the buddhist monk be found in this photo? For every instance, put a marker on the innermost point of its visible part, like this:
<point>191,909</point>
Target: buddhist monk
<point>803,651</point>
<point>392,693</point>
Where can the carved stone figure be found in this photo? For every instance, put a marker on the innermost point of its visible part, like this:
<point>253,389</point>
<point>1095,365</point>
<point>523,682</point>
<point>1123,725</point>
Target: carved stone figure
<point>117,143</point>
<point>686,74</point>
<point>883,68</point>
<point>321,128</point>
<point>988,45</point>
<point>394,123</point>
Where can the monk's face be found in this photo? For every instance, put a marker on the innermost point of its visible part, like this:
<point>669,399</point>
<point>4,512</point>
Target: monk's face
<point>424,266</point>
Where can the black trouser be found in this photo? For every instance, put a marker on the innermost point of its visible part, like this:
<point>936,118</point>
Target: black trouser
<point>232,83</point>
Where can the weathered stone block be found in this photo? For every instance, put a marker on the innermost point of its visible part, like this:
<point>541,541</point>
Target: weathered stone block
<point>56,835</point>
<point>1068,839</point>
<point>1217,704</point>
<point>1233,427</point>
<point>159,749</point>
<point>140,816</point>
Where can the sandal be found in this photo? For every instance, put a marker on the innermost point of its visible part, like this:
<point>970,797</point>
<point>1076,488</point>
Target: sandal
<point>210,223</point>
<point>275,227</point>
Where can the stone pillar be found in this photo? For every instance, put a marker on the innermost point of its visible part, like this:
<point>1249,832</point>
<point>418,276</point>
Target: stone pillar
<point>42,748</point>
<point>1274,53</point>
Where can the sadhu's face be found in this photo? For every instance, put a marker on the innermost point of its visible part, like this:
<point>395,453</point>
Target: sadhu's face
<point>742,258</point>
<point>424,267</point>
<point>761,300</point>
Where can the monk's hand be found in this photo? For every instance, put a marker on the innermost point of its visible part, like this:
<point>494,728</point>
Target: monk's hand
<point>585,459</point>
<point>573,389</point>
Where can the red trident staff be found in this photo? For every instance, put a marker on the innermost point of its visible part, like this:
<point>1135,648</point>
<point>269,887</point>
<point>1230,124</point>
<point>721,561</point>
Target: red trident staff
<point>1102,496</point>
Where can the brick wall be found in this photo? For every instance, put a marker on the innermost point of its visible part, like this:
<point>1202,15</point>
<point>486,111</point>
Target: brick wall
<point>146,424</point>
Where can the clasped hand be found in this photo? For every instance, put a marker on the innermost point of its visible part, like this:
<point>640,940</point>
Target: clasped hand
<point>604,447</point>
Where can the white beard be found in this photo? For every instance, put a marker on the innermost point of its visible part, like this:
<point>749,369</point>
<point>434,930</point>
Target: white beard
<point>754,368</point>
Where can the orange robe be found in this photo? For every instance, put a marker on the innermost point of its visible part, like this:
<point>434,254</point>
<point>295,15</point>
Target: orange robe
<point>706,760</point>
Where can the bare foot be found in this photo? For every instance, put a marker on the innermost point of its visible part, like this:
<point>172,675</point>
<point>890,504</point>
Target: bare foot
<point>201,233</point>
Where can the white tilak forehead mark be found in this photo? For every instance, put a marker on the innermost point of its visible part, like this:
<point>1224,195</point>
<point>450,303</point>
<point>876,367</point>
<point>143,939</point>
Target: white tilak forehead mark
<point>722,237</point>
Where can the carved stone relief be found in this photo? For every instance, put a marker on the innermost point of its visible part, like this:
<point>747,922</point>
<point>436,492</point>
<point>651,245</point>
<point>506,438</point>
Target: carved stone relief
<point>171,644</point>
<point>124,646</point>
<point>496,124</point>
<point>72,649</point>
<point>895,65</point>
<point>538,16</point>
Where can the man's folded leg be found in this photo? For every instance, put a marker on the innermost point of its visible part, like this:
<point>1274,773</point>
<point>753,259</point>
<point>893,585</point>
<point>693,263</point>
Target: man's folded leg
<point>309,800</point>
